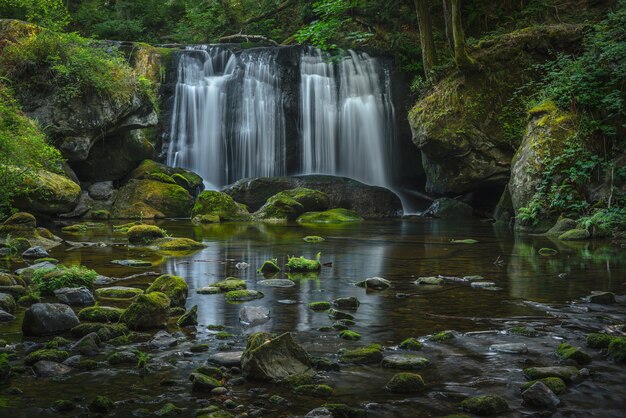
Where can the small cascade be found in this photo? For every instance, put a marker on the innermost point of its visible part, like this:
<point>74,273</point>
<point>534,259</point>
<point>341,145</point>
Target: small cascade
<point>347,117</point>
<point>227,121</point>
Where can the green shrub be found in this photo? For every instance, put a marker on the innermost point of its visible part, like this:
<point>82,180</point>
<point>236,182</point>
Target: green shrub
<point>49,280</point>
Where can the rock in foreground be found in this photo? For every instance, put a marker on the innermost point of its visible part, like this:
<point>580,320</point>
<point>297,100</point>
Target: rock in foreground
<point>267,358</point>
<point>48,318</point>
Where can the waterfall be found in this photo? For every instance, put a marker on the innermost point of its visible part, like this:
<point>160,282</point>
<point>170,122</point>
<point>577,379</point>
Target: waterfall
<point>229,114</point>
<point>347,117</point>
<point>227,121</point>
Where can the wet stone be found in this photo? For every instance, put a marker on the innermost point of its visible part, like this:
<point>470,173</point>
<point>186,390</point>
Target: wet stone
<point>45,368</point>
<point>276,283</point>
<point>347,303</point>
<point>511,348</point>
<point>602,298</point>
<point>210,290</point>
<point>132,263</point>
<point>226,359</point>
<point>162,340</point>
<point>254,315</point>
<point>375,283</point>
<point>405,362</point>
<point>539,395</point>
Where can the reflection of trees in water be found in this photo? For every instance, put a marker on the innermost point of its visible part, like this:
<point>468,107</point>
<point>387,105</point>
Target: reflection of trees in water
<point>586,266</point>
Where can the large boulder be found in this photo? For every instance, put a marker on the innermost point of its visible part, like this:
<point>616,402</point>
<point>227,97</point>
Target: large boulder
<point>290,204</point>
<point>24,225</point>
<point>48,318</point>
<point>266,358</point>
<point>220,206</point>
<point>148,199</point>
<point>147,311</point>
<point>48,193</point>
<point>151,170</point>
<point>368,201</point>
<point>174,287</point>
<point>470,123</point>
<point>546,135</point>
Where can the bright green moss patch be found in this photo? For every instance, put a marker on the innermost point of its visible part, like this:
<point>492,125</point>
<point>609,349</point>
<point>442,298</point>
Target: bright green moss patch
<point>316,391</point>
<point>49,280</point>
<point>411,344</point>
<point>442,336</point>
<point>144,234</point>
<point>82,227</point>
<point>147,311</point>
<point>177,244</point>
<point>297,264</point>
<point>319,306</point>
<point>525,331</point>
<point>569,352</point>
<point>57,342</point>
<point>174,287</point>
<point>220,204</point>
<point>242,295</point>
<point>100,314</point>
<point>332,216</point>
<point>229,284</point>
<point>485,405</point>
<point>46,354</point>
<point>349,335</point>
<point>406,383</point>
<point>599,340</point>
<point>223,335</point>
<point>368,354</point>
<point>555,384</point>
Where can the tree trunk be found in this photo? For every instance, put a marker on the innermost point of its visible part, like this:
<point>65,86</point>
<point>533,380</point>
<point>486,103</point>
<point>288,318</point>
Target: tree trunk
<point>462,60</point>
<point>426,36</point>
<point>447,19</point>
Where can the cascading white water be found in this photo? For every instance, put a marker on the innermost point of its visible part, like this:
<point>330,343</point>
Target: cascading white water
<point>347,117</point>
<point>227,121</point>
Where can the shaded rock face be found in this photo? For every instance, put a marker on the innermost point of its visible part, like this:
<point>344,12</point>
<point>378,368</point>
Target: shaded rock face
<point>446,208</point>
<point>48,318</point>
<point>462,127</point>
<point>275,359</point>
<point>368,201</point>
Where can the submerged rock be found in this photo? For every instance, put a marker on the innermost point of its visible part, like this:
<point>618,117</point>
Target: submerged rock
<point>568,374</point>
<point>602,298</point>
<point>510,348</point>
<point>48,318</point>
<point>376,283</point>
<point>485,405</point>
<point>539,395</point>
<point>254,315</point>
<point>267,358</point>
<point>406,383</point>
<point>347,303</point>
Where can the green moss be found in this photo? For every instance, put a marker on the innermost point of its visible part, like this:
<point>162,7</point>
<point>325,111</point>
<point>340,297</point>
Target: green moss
<point>242,295</point>
<point>46,354</point>
<point>485,405</point>
<point>147,311</point>
<point>617,349</point>
<point>289,204</point>
<point>332,216</point>
<point>315,391</point>
<point>547,106</point>
<point>599,340</point>
<point>118,292</point>
<point>566,351</point>
<point>57,342</point>
<point>223,335</point>
<point>203,383</point>
<point>442,336</point>
<point>574,235</point>
<point>230,284</point>
<point>350,335</point>
<point>144,234</point>
<point>46,260</point>
<point>119,341</point>
<point>101,404</point>
<point>566,373</point>
<point>100,314</point>
<point>368,354</point>
<point>555,384</point>
<point>49,280</point>
<point>319,306</point>
<point>525,331</point>
<point>301,264</point>
<point>205,219</point>
<point>148,199</point>
<point>269,266</point>
<point>100,215</point>
<point>82,227</point>
<point>104,331</point>
<point>220,204</point>
<point>29,299</point>
<point>215,327</point>
<point>406,383</point>
<point>411,344</point>
<point>174,287</point>
<point>312,238</point>
<point>178,244</point>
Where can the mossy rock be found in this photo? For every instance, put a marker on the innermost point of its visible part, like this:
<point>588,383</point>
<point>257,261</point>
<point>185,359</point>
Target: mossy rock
<point>82,227</point>
<point>412,344</point>
<point>312,238</point>
<point>57,342</point>
<point>7,303</point>
<point>576,354</point>
<point>104,331</point>
<point>405,362</point>
<point>243,295</point>
<point>319,306</point>
<point>442,336</point>
<point>289,204</point>
<point>63,405</point>
<point>349,335</point>
<point>189,318</point>
<point>100,215</point>
<point>302,264</point>
<point>220,204</point>
<point>231,283</point>
<point>203,383</point>
<point>148,199</point>
<point>617,349</point>
<point>575,235</point>
<point>332,216</point>
<point>568,374</point>
<point>269,267</point>
<point>118,292</point>
<point>100,314</point>
<point>144,234</point>
<point>555,384</point>
<point>174,287</point>
<point>599,340</point>
<point>147,311</point>
<point>369,354</point>
<point>47,193</point>
<point>57,356</point>
<point>177,244</point>
<point>101,405</point>
<point>205,219</point>
<point>149,169</point>
<point>315,391</point>
<point>485,405</point>
<point>406,383</point>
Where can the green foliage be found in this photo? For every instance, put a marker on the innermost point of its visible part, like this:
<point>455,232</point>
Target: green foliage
<point>23,151</point>
<point>74,66</point>
<point>304,264</point>
<point>142,359</point>
<point>49,280</point>
<point>51,14</point>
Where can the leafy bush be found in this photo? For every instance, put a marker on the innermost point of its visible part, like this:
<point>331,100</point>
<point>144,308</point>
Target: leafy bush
<point>73,65</point>
<point>48,280</point>
<point>23,150</point>
<point>51,14</point>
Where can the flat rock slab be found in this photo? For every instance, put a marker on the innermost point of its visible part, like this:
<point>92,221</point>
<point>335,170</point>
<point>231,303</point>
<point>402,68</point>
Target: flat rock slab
<point>276,283</point>
<point>75,296</point>
<point>45,368</point>
<point>512,348</point>
<point>227,359</point>
<point>405,362</point>
<point>132,263</point>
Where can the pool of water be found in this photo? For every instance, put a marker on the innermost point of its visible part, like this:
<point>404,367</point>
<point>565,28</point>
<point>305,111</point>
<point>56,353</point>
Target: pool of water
<point>399,251</point>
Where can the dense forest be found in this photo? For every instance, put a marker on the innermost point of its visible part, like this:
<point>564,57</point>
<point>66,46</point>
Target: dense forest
<point>190,190</point>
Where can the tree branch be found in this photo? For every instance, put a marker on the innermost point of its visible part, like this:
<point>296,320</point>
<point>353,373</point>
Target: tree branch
<point>247,38</point>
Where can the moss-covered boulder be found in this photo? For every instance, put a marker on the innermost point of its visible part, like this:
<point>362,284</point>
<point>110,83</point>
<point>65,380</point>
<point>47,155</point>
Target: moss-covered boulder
<point>187,179</point>
<point>485,405</point>
<point>406,383</point>
<point>302,264</point>
<point>575,235</point>
<point>332,216</point>
<point>275,359</point>
<point>57,356</point>
<point>170,244</point>
<point>48,193</point>
<point>229,284</point>
<point>599,341</point>
<point>147,311</point>
<point>148,199</point>
<point>290,204</point>
<point>576,354</point>
<point>220,204</point>
<point>22,229</point>
<point>269,267</point>
<point>411,343</point>
<point>469,124</point>
<point>100,314</point>
<point>174,287</point>
<point>369,354</point>
<point>144,234</point>
<point>555,384</point>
